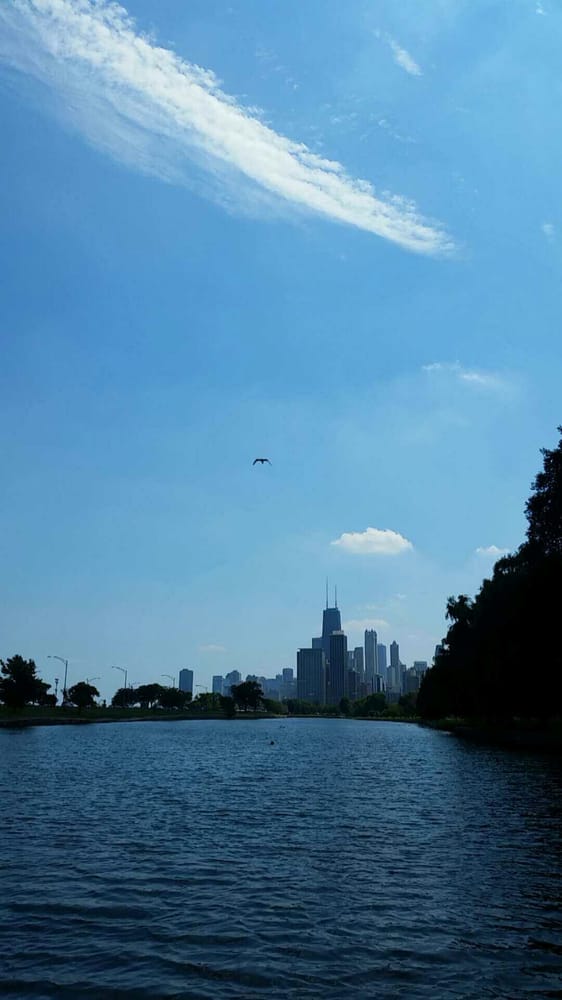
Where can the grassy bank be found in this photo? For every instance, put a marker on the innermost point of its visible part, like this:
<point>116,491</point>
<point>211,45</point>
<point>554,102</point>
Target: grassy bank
<point>35,716</point>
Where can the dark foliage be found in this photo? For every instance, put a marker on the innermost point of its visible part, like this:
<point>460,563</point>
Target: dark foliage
<point>19,684</point>
<point>501,657</point>
<point>248,696</point>
<point>82,695</point>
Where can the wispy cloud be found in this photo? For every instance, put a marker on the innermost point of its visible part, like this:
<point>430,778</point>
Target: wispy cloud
<point>362,624</point>
<point>158,113</point>
<point>469,376</point>
<point>212,647</point>
<point>491,551</point>
<point>373,542</point>
<point>403,58</point>
<point>549,231</point>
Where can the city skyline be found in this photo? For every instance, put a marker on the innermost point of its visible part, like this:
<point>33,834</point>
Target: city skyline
<point>225,238</point>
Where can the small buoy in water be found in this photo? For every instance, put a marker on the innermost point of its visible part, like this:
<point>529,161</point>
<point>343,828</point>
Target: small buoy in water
<point>272,743</point>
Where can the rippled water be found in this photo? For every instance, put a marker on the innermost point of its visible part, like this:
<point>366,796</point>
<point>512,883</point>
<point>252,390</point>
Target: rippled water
<point>348,859</point>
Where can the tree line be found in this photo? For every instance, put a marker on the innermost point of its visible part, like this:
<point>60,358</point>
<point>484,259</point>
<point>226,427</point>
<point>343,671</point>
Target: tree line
<point>501,656</point>
<point>20,686</point>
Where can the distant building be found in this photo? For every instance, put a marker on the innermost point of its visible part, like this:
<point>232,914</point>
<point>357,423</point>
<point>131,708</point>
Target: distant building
<point>359,663</point>
<point>370,656</point>
<point>218,683</point>
<point>420,667</point>
<point>381,660</point>
<point>186,681</point>
<point>411,683</point>
<point>311,676</point>
<point>337,668</point>
<point>394,654</point>
<point>234,677</point>
<point>352,685</point>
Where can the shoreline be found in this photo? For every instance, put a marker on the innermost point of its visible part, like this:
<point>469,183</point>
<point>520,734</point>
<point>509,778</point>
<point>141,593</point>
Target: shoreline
<point>524,736</point>
<point>27,722</point>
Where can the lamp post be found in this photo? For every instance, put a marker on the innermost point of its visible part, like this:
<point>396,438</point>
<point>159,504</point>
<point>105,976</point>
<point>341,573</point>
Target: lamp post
<point>62,660</point>
<point>169,676</point>
<point>90,679</point>
<point>123,671</point>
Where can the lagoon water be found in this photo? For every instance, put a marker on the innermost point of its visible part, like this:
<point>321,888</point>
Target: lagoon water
<point>347,860</point>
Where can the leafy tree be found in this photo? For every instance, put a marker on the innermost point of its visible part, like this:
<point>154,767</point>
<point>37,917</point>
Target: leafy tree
<point>228,705</point>
<point>373,704</point>
<point>174,698</point>
<point>124,698</point>
<point>82,695</point>
<point>248,695</point>
<point>207,701</point>
<point>544,506</point>
<point>485,667</point>
<point>274,706</point>
<point>345,706</point>
<point>19,684</point>
<point>147,695</point>
<point>408,703</point>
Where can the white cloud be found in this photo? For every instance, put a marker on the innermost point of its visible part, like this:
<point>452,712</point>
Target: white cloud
<point>362,624</point>
<point>472,377</point>
<point>539,9</point>
<point>212,647</point>
<point>403,58</point>
<point>162,115</point>
<point>491,551</point>
<point>549,230</point>
<point>373,542</point>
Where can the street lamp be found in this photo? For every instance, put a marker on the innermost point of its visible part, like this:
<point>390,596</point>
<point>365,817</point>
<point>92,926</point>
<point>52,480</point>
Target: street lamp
<point>169,676</point>
<point>90,679</point>
<point>62,660</point>
<point>123,671</point>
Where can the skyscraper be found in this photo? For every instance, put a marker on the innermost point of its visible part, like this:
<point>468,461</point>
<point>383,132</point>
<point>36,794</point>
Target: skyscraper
<point>217,684</point>
<point>311,676</point>
<point>395,669</point>
<point>381,659</point>
<point>370,657</point>
<point>186,680</point>
<point>337,669</point>
<point>331,622</point>
<point>359,663</point>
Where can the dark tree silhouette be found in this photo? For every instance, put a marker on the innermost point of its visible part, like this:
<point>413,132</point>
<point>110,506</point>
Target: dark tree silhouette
<point>82,695</point>
<point>248,695</point>
<point>485,668</point>
<point>544,506</point>
<point>19,684</point>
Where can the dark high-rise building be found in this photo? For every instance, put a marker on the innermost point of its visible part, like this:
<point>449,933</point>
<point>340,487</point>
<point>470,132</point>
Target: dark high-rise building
<point>331,622</point>
<point>337,669</point>
<point>311,676</point>
<point>186,681</point>
<point>394,654</point>
<point>370,657</point>
<point>218,682</point>
<point>381,659</point>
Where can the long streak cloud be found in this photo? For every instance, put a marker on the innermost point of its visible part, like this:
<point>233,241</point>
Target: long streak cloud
<point>159,113</point>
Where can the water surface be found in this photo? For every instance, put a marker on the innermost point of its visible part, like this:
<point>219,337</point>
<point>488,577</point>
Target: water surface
<point>348,859</point>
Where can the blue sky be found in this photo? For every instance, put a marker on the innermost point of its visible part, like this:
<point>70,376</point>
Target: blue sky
<point>326,233</point>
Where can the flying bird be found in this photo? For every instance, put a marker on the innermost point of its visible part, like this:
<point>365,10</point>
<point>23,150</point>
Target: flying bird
<point>261,460</point>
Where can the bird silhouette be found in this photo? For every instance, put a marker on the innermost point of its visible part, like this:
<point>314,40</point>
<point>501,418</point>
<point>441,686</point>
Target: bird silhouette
<point>261,460</point>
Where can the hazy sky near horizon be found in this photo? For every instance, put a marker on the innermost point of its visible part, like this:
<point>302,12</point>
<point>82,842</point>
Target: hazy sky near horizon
<point>325,233</point>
